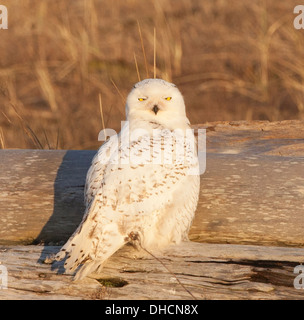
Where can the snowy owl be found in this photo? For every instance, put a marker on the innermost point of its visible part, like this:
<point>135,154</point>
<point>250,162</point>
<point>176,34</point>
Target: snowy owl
<point>143,184</point>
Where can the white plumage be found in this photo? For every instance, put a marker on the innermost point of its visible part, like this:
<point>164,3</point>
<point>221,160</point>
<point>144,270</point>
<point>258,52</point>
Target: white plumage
<point>143,182</point>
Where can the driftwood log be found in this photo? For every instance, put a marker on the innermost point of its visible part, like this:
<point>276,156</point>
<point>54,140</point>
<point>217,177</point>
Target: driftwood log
<point>252,194</point>
<point>207,271</point>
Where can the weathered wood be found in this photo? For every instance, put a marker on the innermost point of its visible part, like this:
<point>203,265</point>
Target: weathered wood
<point>41,194</point>
<point>251,193</point>
<point>208,271</point>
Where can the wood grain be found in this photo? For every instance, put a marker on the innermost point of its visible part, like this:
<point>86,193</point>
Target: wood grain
<point>208,271</point>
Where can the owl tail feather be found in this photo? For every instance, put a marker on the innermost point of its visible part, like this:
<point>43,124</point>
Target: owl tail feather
<point>108,249</point>
<point>89,247</point>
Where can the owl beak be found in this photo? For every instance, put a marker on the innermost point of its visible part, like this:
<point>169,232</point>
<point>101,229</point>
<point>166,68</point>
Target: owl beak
<point>155,109</point>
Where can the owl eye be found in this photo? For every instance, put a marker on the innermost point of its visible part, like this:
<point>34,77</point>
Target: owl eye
<point>142,99</point>
<point>168,98</point>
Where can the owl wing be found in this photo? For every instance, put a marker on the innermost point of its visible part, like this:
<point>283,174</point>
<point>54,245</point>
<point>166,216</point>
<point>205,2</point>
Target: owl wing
<point>106,154</point>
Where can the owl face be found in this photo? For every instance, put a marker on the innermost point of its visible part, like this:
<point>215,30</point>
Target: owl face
<point>155,100</point>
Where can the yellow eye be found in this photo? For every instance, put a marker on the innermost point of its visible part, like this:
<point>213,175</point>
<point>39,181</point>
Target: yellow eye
<point>168,98</point>
<point>142,99</point>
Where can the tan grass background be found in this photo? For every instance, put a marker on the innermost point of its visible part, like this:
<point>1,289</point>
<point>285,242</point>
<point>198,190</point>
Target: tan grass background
<point>232,60</point>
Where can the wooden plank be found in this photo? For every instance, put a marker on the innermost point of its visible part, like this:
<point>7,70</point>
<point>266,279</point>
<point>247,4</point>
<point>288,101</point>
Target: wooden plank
<point>208,271</point>
<point>251,193</point>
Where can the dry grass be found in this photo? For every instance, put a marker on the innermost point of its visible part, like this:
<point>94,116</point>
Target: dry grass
<point>231,59</point>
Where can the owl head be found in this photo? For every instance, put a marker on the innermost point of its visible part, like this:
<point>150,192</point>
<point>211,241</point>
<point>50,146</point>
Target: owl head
<point>156,100</point>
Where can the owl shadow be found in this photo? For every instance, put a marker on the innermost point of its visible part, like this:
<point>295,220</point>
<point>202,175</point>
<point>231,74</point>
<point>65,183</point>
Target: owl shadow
<point>68,208</point>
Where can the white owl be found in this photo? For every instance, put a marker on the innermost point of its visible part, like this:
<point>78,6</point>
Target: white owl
<point>142,185</point>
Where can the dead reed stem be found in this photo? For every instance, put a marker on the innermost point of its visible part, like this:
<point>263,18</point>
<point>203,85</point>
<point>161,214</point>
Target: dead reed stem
<point>154,52</point>
<point>136,66</point>
<point>118,91</point>
<point>143,49</point>
<point>2,143</point>
<point>101,114</point>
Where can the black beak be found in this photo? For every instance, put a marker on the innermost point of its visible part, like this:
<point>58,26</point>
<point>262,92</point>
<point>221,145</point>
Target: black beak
<point>155,109</point>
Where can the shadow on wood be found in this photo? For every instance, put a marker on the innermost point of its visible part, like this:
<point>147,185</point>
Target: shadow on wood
<point>68,198</point>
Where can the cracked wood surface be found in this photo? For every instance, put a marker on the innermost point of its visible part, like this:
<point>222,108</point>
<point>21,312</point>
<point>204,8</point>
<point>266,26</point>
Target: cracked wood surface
<point>208,271</point>
<point>251,193</point>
